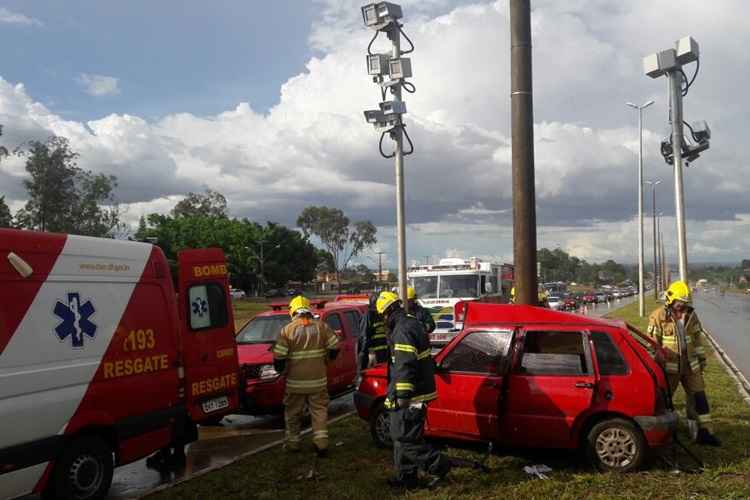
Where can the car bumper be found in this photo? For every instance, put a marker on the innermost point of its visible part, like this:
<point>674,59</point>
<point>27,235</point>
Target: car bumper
<point>658,429</point>
<point>363,403</point>
<point>263,397</point>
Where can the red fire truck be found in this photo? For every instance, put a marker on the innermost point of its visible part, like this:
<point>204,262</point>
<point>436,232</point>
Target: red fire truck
<point>101,362</point>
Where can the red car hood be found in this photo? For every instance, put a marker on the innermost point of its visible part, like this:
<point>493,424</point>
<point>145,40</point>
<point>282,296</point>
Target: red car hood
<point>254,354</point>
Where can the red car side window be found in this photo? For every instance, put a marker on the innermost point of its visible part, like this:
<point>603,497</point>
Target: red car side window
<point>334,321</point>
<point>479,352</point>
<point>554,353</point>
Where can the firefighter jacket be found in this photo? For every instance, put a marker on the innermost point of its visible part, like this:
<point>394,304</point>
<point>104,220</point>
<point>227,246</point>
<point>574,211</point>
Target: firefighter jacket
<point>424,317</point>
<point>304,344</point>
<point>411,368</point>
<point>372,337</point>
<point>663,328</point>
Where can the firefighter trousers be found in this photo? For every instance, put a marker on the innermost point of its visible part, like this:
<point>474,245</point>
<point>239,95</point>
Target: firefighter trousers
<point>294,406</point>
<point>695,394</point>
<point>410,451</point>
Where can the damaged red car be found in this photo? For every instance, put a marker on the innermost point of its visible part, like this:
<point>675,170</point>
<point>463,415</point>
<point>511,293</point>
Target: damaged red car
<point>523,376</point>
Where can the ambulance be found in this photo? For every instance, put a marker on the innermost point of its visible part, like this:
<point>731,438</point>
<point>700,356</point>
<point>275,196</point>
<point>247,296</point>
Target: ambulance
<point>102,361</point>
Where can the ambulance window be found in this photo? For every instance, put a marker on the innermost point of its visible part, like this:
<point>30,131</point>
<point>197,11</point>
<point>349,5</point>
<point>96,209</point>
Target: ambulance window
<point>208,306</point>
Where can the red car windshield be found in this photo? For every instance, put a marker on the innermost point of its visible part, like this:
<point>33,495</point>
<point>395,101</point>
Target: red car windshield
<point>263,329</point>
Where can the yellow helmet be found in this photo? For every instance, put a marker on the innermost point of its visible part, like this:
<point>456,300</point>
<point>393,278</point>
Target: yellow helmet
<point>299,304</point>
<point>411,293</point>
<point>385,301</point>
<point>679,290</point>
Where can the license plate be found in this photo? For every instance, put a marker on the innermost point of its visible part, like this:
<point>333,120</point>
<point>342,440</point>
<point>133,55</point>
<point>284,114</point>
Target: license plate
<point>215,404</point>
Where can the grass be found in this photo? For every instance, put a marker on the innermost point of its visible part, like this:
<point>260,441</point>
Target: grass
<point>357,470</point>
<point>245,310</point>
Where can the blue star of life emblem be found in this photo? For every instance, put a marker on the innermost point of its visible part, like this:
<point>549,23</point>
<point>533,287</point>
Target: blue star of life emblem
<point>75,319</point>
<point>200,307</point>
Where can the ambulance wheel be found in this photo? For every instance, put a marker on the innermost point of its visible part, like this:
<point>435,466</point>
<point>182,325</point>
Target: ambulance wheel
<point>616,445</point>
<point>84,471</point>
<point>380,426</point>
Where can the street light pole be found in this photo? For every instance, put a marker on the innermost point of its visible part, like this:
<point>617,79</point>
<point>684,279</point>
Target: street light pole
<point>675,104</point>
<point>641,304</point>
<point>653,185</point>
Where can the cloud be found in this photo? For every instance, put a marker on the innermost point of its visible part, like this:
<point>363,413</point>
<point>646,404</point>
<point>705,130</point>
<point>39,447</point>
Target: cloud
<point>10,17</point>
<point>99,85</point>
<point>314,147</point>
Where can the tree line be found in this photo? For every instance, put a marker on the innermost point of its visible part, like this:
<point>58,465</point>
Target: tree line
<point>558,265</point>
<point>64,198</point>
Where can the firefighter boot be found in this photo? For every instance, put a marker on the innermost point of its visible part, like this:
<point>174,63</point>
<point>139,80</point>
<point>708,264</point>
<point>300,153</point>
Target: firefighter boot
<point>706,438</point>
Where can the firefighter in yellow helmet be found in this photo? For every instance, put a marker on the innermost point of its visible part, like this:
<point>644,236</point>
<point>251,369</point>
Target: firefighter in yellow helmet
<point>302,352</point>
<point>411,386</point>
<point>678,330</point>
<point>419,312</point>
<point>542,296</point>
<point>513,295</point>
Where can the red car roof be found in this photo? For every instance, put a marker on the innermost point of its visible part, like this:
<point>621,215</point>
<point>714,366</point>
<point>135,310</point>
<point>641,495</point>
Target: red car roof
<point>482,312</point>
<point>319,305</point>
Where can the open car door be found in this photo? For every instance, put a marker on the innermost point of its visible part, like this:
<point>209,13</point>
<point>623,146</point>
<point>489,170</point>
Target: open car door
<point>209,348</point>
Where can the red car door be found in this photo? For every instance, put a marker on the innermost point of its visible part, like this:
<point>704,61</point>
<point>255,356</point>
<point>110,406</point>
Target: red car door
<point>551,386</point>
<point>469,385</point>
<point>338,368</point>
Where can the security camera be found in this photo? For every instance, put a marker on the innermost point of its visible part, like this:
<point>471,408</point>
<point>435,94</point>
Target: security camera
<point>381,14</point>
<point>393,107</point>
<point>687,50</point>
<point>701,131</point>
<point>666,150</point>
<point>400,68</point>
<point>382,121</point>
<point>378,64</point>
<point>659,63</point>
<point>374,116</point>
<point>692,152</point>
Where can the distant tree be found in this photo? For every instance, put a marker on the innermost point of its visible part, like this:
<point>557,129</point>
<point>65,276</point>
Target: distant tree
<point>64,198</point>
<point>6,219</point>
<point>341,238</point>
<point>3,149</point>
<point>210,204</point>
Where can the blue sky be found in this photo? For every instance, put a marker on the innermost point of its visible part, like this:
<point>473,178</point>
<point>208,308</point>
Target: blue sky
<point>168,56</point>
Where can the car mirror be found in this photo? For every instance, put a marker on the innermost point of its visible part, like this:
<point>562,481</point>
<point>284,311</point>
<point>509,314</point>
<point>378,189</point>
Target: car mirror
<point>443,366</point>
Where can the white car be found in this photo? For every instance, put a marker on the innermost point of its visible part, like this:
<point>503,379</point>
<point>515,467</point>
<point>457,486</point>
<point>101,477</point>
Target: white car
<point>554,302</point>
<point>443,333</point>
<point>236,293</point>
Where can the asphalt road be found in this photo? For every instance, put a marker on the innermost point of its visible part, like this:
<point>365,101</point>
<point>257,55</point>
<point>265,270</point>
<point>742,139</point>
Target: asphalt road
<point>216,446</point>
<point>727,318</point>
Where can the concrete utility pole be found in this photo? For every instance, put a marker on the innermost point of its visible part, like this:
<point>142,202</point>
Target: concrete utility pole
<point>380,266</point>
<point>522,127</point>
<point>641,303</point>
<point>653,185</point>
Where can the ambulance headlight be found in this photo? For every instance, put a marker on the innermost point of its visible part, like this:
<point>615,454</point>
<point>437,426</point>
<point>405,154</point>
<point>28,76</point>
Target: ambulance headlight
<point>268,372</point>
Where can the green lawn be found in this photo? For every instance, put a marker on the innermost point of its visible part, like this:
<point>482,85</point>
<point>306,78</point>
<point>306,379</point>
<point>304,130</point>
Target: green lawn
<point>358,470</point>
<point>245,310</point>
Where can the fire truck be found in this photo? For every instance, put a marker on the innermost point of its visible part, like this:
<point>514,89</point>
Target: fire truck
<point>452,280</point>
<point>101,362</point>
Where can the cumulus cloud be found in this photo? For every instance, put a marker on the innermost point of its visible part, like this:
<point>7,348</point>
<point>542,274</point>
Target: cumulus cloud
<point>313,147</point>
<point>10,17</point>
<point>99,85</point>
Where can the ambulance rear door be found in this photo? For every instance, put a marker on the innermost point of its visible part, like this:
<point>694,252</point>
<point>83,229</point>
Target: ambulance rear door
<point>208,343</point>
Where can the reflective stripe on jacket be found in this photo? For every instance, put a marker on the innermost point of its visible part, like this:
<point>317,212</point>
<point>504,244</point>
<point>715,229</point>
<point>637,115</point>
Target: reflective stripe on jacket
<point>412,370</point>
<point>305,343</point>
<point>662,327</point>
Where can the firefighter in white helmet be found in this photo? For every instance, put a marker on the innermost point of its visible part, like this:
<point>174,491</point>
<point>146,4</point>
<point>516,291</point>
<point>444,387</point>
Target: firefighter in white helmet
<point>302,352</point>
<point>678,330</point>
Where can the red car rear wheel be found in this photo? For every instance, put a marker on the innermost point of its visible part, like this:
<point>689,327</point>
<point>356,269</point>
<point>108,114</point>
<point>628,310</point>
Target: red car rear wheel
<point>616,445</point>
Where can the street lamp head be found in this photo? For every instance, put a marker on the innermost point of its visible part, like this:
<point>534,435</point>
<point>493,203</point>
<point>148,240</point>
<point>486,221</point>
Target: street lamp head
<point>647,104</point>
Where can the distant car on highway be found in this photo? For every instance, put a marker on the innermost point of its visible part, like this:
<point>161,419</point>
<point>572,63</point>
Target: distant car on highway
<point>523,376</point>
<point>554,302</point>
<point>569,304</point>
<point>589,298</point>
<point>236,293</point>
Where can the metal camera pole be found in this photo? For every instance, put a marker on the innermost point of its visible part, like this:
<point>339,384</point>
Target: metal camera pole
<point>394,35</point>
<point>675,104</point>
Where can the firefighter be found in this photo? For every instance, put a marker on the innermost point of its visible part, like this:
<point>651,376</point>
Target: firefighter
<point>678,330</point>
<point>302,352</point>
<point>419,312</point>
<point>542,297</point>
<point>411,387</point>
<point>372,346</point>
